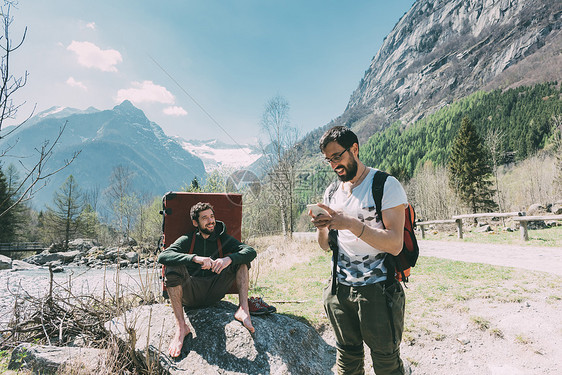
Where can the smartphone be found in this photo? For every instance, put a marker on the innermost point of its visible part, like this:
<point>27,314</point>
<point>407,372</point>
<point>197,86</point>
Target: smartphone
<point>316,210</point>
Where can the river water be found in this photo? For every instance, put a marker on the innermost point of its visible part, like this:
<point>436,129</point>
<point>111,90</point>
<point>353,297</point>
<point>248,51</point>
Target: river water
<point>80,280</point>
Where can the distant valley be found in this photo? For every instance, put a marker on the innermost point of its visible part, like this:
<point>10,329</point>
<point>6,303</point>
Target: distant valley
<point>218,155</point>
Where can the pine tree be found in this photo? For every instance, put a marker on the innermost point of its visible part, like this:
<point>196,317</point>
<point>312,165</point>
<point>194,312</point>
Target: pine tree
<point>68,202</point>
<point>469,169</point>
<point>88,222</point>
<point>7,223</point>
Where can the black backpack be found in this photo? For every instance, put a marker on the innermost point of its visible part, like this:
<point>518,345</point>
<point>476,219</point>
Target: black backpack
<point>402,262</point>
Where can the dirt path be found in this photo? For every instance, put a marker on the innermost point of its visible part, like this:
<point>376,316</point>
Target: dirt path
<point>520,337</point>
<point>546,259</point>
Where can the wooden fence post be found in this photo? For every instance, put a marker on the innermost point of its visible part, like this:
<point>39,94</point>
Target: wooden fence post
<point>459,228</point>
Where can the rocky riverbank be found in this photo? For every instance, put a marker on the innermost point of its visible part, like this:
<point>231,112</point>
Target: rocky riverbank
<point>89,253</point>
<point>85,269</point>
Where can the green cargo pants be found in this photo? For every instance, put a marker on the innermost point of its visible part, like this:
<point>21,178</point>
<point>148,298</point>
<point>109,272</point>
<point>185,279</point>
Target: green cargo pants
<point>360,314</point>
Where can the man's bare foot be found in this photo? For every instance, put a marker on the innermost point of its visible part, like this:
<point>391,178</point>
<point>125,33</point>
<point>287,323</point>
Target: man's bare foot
<point>244,318</point>
<point>177,342</point>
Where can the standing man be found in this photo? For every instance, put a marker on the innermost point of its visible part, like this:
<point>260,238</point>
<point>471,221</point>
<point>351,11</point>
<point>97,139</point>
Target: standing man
<point>202,266</point>
<point>366,304</point>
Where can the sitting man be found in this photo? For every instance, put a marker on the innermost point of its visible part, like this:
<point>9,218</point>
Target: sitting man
<point>197,273</point>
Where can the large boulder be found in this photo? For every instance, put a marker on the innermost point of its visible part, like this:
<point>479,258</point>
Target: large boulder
<point>68,256</point>
<point>132,257</point>
<point>556,208</point>
<point>221,345</point>
<point>43,258</point>
<point>5,262</point>
<point>40,359</point>
<point>537,210</point>
<point>82,244</point>
<point>48,258</point>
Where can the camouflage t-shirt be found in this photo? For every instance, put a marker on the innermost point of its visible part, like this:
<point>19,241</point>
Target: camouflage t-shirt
<point>359,263</point>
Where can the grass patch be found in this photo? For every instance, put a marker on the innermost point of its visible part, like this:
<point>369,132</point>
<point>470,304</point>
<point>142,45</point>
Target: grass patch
<point>480,322</point>
<point>521,339</point>
<point>551,237</point>
<point>496,332</point>
<point>293,275</point>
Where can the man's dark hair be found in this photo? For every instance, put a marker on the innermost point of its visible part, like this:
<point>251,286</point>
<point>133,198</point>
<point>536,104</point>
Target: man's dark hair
<point>199,207</point>
<point>340,134</point>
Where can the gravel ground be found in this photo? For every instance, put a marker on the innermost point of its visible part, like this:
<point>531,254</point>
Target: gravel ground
<point>545,259</point>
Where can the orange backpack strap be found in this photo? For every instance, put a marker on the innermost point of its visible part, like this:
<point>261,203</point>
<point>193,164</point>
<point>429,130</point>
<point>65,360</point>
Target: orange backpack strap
<point>192,244</point>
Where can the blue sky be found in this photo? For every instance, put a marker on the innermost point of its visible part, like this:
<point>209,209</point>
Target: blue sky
<point>231,57</point>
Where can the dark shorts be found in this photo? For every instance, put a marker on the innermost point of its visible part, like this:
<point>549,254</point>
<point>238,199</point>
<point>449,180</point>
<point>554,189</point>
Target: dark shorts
<point>200,291</point>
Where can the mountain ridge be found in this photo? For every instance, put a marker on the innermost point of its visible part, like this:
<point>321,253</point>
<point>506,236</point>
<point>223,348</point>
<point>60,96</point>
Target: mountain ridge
<point>440,51</point>
<point>106,139</point>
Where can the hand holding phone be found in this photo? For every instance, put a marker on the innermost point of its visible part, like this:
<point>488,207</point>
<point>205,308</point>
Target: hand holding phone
<point>316,210</point>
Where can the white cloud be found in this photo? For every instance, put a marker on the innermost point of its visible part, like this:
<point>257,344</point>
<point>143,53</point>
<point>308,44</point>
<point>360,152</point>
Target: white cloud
<point>145,91</point>
<point>91,25</point>
<point>91,56</point>
<point>175,111</point>
<point>74,83</point>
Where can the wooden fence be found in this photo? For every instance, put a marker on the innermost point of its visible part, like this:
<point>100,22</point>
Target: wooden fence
<point>517,216</point>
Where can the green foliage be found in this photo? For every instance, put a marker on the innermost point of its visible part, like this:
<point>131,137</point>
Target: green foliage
<point>88,222</point>
<point>63,220</point>
<point>7,222</point>
<point>469,169</point>
<point>148,227</point>
<point>523,115</point>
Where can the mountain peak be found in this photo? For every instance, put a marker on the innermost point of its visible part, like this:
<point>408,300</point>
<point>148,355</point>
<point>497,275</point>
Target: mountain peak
<point>127,108</point>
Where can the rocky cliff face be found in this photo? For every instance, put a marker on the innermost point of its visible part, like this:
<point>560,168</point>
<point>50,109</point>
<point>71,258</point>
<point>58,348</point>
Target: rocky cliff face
<point>442,50</point>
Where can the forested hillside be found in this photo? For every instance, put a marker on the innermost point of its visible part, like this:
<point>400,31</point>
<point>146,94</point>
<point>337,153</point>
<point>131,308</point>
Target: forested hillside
<point>523,118</point>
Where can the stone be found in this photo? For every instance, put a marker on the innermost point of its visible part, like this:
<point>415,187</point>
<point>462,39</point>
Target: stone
<point>556,208</point>
<point>42,359</point>
<point>220,344</point>
<point>44,258</point>
<point>111,253</point>
<point>68,256</point>
<point>54,248</point>
<point>484,228</point>
<point>57,269</point>
<point>129,241</point>
<point>95,251</point>
<point>132,257</point>
<point>18,265</point>
<point>5,262</point>
<point>82,244</point>
<point>536,210</point>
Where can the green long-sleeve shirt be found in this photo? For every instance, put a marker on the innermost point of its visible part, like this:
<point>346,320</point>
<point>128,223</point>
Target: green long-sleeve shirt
<point>178,252</point>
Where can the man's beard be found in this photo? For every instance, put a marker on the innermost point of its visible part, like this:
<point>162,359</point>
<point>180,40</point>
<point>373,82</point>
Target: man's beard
<point>350,171</point>
<point>207,231</point>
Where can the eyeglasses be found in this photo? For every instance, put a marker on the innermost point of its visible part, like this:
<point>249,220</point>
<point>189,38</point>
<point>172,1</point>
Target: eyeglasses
<point>336,158</point>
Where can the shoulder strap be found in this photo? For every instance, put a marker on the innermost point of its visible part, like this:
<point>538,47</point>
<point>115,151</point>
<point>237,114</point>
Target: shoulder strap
<point>332,189</point>
<point>192,243</point>
<point>378,187</point>
<point>333,240</point>
<point>219,245</point>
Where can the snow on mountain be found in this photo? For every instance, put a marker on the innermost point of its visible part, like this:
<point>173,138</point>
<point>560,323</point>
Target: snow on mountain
<point>216,154</point>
